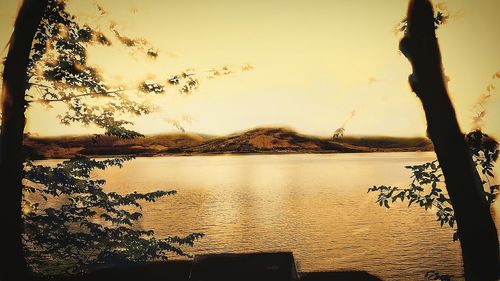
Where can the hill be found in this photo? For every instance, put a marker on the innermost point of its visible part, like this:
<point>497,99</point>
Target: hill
<point>65,147</point>
<point>260,140</point>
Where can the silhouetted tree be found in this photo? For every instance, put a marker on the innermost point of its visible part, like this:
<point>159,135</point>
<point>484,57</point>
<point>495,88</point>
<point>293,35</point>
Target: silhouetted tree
<point>15,77</point>
<point>476,229</point>
<point>47,63</point>
<point>427,189</point>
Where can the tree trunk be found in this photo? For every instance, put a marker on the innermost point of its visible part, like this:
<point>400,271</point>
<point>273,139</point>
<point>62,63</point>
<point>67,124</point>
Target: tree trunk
<point>11,155</point>
<point>476,229</point>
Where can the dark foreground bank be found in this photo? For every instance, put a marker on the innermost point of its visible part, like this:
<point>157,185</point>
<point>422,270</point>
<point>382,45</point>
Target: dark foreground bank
<point>279,266</point>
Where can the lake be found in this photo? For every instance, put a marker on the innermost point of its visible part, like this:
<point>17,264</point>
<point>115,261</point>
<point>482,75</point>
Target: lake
<point>315,205</point>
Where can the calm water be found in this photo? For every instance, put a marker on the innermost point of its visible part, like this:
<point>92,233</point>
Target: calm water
<point>316,206</point>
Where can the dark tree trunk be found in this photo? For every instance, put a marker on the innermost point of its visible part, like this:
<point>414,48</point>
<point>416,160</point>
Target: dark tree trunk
<point>476,229</point>
<point>11,155</point>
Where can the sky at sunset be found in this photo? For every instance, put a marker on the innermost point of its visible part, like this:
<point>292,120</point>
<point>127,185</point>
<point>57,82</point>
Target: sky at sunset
<point>315,63</point>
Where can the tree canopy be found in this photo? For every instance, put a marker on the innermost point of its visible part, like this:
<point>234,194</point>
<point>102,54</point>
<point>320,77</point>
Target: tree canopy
<point>70,223</point>
<point>58,71</point>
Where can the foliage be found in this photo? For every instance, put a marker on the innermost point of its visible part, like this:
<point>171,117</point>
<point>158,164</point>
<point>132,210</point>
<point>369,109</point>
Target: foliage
<point>59,72</point>
<point>91,227</point>
<point>339,133</point>
<point>68,218</point>
<point>426,187</point>
<point>441,16</point>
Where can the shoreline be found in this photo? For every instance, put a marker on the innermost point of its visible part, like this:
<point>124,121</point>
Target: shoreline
<point>257,141</point>
<point>188,154</point>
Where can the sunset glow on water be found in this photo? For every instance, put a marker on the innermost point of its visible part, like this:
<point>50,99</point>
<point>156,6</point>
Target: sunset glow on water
<point>316,206</point>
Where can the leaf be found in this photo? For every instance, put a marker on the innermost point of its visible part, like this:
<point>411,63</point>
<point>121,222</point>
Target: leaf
<point>53,230</point>
<point>411,201</point>
<point>489,173</point>
<point>386,204</point>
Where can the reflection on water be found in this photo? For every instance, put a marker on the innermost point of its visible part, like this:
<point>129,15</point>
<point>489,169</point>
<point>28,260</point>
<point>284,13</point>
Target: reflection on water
<point>314,205</point>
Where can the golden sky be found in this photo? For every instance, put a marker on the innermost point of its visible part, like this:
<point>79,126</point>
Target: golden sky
<point>315,62</point>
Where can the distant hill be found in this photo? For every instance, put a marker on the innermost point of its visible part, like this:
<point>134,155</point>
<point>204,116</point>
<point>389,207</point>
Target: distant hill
<point>64,147</point>
<point>260,140</point>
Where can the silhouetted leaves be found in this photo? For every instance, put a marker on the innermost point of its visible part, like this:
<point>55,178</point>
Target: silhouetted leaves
<point>72,221</point>
<point>441,17</point>
<point>151,87</point>
<point>91,226</point>
<point>58,72</point>
<point>427,184</point>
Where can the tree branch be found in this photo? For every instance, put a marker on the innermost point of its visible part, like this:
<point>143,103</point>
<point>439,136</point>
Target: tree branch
<point>70,97</point>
